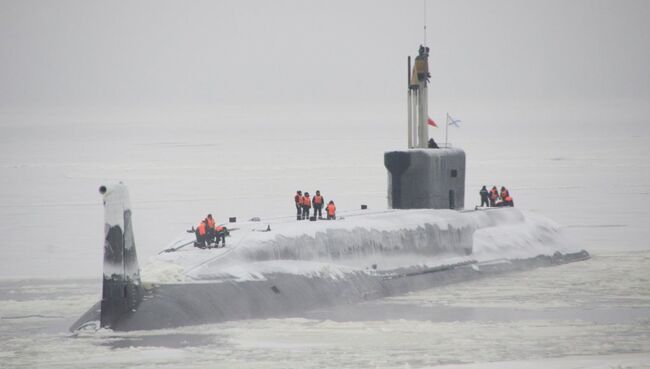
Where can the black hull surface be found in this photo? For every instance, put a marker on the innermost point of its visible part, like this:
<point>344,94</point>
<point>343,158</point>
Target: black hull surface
<point>284,295</point>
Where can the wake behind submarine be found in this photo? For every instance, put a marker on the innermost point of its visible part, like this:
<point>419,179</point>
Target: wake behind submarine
<point>283,267</point>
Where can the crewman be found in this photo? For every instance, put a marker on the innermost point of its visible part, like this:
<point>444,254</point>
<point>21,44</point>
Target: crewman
<point>298,199</point>
<point>507,201</point>
<point>331,210</point>
<point>201,234</point>
<point>220,232</point>
<point>318,201</point>
<point>306,205</point>
<point>209,223</point>
<point>504,193</point>
<point>484,196</point>
<point>494,195</point>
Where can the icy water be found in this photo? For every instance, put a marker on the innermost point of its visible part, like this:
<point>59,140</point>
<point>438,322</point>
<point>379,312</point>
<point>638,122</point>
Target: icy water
<point>569,312</point>
<point>594,182</point>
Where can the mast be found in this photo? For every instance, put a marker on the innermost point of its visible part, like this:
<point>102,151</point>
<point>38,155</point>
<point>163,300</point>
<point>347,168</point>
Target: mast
<point>409,105</point>
<point>417,95</point>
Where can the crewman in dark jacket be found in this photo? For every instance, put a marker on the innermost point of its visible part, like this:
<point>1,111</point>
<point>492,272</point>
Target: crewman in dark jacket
<point>220,232</point>
<point>318,201</point>
<point>484,196</point>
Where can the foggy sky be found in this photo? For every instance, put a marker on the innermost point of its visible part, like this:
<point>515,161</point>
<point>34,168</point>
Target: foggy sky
<point>212,53</point>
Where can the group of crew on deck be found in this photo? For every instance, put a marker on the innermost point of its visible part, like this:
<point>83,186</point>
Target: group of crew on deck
<point>304,204</point>
<point>209,234</point>
<point>494,198</point>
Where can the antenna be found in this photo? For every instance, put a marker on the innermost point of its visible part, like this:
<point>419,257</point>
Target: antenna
<point>424,15</point>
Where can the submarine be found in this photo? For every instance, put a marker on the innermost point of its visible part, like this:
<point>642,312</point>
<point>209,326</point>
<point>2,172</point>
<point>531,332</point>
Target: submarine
<point>281,267</point>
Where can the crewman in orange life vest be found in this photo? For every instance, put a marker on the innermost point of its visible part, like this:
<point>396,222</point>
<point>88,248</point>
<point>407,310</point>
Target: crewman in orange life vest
<point>298,200</point>
<point>508,201</point>
<point>201,234</point>
<point>318,201</point>
<point>504,193</point>
<point>331,210</point>
<point>306,205</point>
<point>209,223</point>
<point>494,195</point>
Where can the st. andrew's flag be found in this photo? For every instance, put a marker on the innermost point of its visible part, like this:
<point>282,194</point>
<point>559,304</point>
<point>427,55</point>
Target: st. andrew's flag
<point>452,122</point>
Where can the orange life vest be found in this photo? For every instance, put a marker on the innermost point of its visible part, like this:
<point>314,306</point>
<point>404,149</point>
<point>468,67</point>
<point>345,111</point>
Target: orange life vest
<point>318,200</point>
<point>219,228</point>
<point>331,210</point>
<point>210,222</point>
<point>504,194</point>
<point>298,199</point>
<point>508,199</point>
<point>306,201</point>
<point>494,194</point>
<point>201,229</point>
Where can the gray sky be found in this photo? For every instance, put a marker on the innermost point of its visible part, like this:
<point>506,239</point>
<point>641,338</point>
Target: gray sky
<point>151,54</point>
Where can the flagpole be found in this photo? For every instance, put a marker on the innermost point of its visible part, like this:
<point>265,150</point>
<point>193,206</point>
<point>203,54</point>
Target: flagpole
<point>446,129</point>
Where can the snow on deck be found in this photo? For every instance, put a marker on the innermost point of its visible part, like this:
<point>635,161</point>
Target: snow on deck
<point>361,242</point>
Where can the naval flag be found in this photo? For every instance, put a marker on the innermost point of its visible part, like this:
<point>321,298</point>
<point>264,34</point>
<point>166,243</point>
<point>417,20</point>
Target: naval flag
<point>452,122</point>
<point>431,122</point>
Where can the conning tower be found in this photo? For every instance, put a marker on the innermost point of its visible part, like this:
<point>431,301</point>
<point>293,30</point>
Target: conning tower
<point>424,176</point>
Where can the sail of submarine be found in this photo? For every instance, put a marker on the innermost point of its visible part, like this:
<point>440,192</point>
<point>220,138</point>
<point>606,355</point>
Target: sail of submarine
<point>283,267</point>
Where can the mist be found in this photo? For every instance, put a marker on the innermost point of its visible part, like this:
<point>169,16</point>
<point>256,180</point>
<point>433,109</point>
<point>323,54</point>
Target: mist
<point>157,58</point>
<point>228,107</point>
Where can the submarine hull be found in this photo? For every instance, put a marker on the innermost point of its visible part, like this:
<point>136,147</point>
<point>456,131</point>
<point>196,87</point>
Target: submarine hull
<point>282,267</point>
<point>288,295</point>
